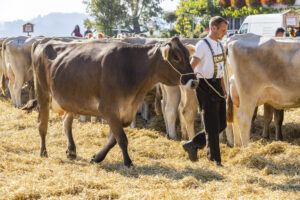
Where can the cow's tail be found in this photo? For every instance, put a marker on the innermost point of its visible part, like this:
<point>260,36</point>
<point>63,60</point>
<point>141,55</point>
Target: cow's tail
<point>158,97</point>
<point>3,78</point>
<point>33,46</point>
<point>229,105</point>
<point>3,83</point>
<point>30,105</point>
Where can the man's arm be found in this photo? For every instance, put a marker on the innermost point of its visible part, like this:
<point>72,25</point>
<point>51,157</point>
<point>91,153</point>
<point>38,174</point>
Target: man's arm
<point>195,61</point>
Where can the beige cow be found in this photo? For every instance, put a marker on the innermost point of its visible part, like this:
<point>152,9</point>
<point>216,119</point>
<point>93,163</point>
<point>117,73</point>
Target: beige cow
<point>266,70</point>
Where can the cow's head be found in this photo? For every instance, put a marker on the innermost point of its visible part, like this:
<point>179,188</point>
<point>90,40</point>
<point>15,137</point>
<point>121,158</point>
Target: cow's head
<point>179,69</point>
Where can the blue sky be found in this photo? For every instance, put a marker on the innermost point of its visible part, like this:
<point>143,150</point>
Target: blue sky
<point>27,9</point>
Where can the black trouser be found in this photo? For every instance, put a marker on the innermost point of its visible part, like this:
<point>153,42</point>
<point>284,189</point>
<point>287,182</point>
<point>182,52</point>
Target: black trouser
<point>213,110</point>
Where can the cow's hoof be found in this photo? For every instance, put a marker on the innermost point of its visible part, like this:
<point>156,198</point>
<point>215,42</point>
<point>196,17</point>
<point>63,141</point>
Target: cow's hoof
<point>219,164</point>
<point>172,138</point>
<point>279,138</point>
<point>128,164</point>
<point>265,137</point>
<point>93,160</point>
<point>96,159</point>
<point>71,154</point>
<point>44,154</point>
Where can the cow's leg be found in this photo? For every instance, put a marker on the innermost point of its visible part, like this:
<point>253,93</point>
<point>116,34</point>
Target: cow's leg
<point>236,129</point>
<point>278,118</point>
<point>244,116</point>
<point>187,116</point>
<point>183,123</point>
<point>190,112</point>
<point>145,111</point>
<point>122,141</point>
<point>19,81</point>
<point>82,118</point>
<point>103,152</point>
<point>158,97</point>
<point>164,103</point>
<point>43,101</point>
<point>173,100</point>
<point>31,89</point>
<point>12,94</point>
<point>229,135</point>
<point>11,82</point>
<point>93,119</point>
<point>133,123</point>
<point>253,119</point>
<point>67,124</point>
<point>268,115</point>
<point>120,137</point>
<point>171,115</point>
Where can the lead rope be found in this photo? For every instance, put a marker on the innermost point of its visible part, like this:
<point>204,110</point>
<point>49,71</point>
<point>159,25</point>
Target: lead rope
<point>176,70</point>
<point>212,87</point>
<point>180,74</point>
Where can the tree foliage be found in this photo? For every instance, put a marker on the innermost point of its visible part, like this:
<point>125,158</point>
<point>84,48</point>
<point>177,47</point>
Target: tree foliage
<point>139,12</point>
<point>170,17</point>
<point>130,14</point>
<point>87,23</point>
<point>188,10</point>
<point>107,14</point>
<point>245,11</point>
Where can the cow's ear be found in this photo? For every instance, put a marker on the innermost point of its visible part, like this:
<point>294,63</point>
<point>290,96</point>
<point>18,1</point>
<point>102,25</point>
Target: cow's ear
<point>175,39</point>
<point>165,51</point>
<point>191,49</point>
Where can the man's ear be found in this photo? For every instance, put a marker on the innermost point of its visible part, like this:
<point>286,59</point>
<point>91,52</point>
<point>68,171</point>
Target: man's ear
<point>165,51</point>
<point>214,28</point>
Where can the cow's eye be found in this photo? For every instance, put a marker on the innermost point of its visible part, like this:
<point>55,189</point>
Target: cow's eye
<point>176,58</point>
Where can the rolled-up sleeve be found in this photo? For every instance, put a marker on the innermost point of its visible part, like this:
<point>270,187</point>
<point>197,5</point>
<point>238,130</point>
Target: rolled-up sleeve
<point>199,53</point>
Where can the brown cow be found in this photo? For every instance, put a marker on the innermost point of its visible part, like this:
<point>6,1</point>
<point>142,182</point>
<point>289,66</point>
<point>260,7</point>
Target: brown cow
<point>105,79</point>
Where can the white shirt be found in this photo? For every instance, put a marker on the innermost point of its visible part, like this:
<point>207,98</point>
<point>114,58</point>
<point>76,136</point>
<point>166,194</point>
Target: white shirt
<point>206,64</point>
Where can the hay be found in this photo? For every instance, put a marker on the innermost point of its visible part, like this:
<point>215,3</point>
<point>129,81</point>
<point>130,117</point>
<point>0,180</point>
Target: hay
<point>264,170</point>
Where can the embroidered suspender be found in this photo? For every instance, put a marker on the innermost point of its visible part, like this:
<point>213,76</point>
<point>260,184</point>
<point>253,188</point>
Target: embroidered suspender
<point>216,58</point>
<point>224,56</point>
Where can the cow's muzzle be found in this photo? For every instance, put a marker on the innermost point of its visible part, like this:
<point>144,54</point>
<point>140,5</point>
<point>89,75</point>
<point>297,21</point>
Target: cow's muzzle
<point>191,84</point>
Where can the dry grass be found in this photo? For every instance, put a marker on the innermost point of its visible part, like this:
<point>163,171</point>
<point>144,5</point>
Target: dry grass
<point>264,170</point>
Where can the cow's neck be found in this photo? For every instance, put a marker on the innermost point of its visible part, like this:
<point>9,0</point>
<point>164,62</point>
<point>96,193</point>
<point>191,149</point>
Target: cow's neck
<point>147,78</point>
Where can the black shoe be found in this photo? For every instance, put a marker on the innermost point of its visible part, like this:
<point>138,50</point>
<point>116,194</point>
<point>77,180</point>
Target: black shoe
<point>199,140</point>
<point>191,149</point>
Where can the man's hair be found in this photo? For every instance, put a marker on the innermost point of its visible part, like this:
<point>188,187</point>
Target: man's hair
<point>216,21</point>
<point>279,30</point>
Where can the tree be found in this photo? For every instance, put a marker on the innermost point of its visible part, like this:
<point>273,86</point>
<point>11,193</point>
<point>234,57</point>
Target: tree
<point>205,9</point>
<point>131,14</point>
<point>107,14</point>
<point>170,17</point>
<point>139,12</point>
<point>188,9</point>
<point>87,23</point>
